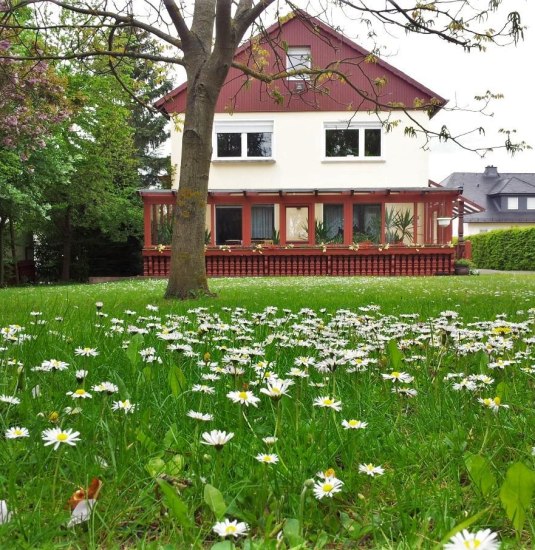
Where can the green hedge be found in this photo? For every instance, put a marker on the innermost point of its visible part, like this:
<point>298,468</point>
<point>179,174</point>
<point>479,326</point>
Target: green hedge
<point>507,249</point>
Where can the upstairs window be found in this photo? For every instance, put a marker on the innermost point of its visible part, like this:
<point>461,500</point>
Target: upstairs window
<point>530,203</point>
<point>243,140</point>
<point>352,140</point>
<point>298,58</point>
<point>512,203</point>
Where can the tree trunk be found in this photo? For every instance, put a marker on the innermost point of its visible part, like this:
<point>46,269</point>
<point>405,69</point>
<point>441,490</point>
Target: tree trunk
<point>187,278</point>
<point>14,250</point>
<point>2,271</point>
<point>67,247</point>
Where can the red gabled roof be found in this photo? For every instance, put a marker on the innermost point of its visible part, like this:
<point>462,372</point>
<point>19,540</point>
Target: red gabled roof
<point>327,46</point>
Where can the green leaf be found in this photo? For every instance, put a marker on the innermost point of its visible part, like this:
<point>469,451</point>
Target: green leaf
<point>155,466</point>
<point>176,505</point>
<point>516,493</point>
<point>223,545</point>
<point>170,439</point>
<point>147,373</point>
<point>177,380</point>
<point>292,534</point>
<point>502,391</point>
<point>133,348</point>
<point>145,440</point>
<point>175,465</point>
<point>215,501</point>
<point>394,355</point>
<point>480,470</point>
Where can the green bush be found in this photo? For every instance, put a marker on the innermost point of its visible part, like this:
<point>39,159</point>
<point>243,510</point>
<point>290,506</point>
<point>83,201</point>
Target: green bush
<point>509,249</point>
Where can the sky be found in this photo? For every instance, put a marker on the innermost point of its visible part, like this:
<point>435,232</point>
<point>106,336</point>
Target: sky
<point>459,76</point>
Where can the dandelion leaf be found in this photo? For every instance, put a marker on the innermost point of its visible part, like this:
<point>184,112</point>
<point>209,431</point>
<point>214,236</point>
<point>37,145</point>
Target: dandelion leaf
<point>215,501</point>
<point>291,533</point>
<point>516,493</point>
<point>175,504</point>
<point>177,380</point>
<point>394,355</point>
<point>480,471</point>
<point>133,349</point>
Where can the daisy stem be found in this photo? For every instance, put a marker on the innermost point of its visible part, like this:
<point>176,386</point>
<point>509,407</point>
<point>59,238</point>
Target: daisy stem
<point>54,480</point>
<point>278,417</point>
<point>301,512</point>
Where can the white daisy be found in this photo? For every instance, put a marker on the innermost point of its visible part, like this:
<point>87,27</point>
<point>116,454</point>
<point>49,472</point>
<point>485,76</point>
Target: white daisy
<point>57,436</point>
<point>125,406</point>
<point>328,403</point>
<point>276,388</point>
<point>371,470</point>
<point>16,433</point>
<point>79,394</point>
<point>216,438</point>
<point>244,398</point>
<point>203,389</point>
<point>86,352</point>
<point>5,514</point>
<point>327,487</point>
<point>10,399</point>
<point>206,417</point>
<point>80,374</point>
<point>271,440</point>
<point>354,424</point>
<point>232,528</point>
<point>106,387</point>
<point>494,404</point>
<point>482,540</point>
<point>396,376</point>
<point>267,458</point>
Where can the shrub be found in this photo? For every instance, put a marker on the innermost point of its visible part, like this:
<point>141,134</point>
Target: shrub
<point>509,249</point>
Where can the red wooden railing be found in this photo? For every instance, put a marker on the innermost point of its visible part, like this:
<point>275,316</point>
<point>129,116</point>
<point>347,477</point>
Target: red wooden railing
<point>241,262</point>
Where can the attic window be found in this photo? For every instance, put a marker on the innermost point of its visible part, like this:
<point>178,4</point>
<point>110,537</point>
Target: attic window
<point>512,203</point>
<point>298,58</point>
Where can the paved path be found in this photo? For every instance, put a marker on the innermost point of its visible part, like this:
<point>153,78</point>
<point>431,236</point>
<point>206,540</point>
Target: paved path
<point>492,271</point>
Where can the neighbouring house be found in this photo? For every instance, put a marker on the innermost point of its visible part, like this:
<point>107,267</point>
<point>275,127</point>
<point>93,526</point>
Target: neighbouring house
<point>306,177</point>
<point>506,200</point>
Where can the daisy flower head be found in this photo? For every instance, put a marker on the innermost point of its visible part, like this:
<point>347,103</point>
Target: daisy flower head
<point>125,406</point>
<point>10,399</point>
<point>5,514</point>
<point>79,394</point>
<point>271,440</point>
<point>205,417</point>
<point>86,352</point>
<point>99,305</point>
<point>16,433</point>
<point>267,458</point>
<point>371,470</point>
<point>53,364</point>
<point>354,424</point>
<point>105,387</point>
<point>80,374</point>
<point>494,404</point>
<point>276,388</point>
<point>482,540</point>
<point>229,528</point>
<point>396,376</point>
<point>57,436</point>
<point>244,398</point>
<point>327,402</point>
<point>203,388</point>
<point>216,438</point>
<point>327,487</point>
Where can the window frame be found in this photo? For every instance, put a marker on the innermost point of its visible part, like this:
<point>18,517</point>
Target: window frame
<point>528,199</point>
<point>361,127</point>
<point>307,51</point>
<point>513,200</point>
<point>243,127</point>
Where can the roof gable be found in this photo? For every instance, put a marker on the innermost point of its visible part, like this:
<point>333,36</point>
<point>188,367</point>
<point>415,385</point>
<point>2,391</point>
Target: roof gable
<point>329,50</point>
<point>513,186</point>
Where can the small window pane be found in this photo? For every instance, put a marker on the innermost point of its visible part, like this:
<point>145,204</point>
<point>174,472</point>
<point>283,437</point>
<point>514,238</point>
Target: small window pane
<point>259,144</point>
<point>531,203</point>
<point>262,222</point>
<point>342,143</point>
<point>512,203</point>
<point>298,58</point>
<point>228,145</point>
<point>372,143</point>
<point>367,223</point>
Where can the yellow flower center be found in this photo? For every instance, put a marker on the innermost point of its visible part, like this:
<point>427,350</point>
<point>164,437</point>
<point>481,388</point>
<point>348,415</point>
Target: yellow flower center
<point>243,395</point>
<point>395,374</point>
<point>79,392</point>
<point>497,400</point>
<point>87,349</point>
<point>353,423</point>
<point>487,401</point>
<point>328,487</point>
<point>18,432</point>
<point>230,529</point>
<point>329,473</point>
<point>267,458</point>
<point>275,390</point>
<point>62,436</point>
<point>328,401</point>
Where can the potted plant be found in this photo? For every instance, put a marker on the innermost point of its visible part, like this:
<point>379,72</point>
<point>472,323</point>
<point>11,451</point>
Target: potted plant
<point>462,266</point>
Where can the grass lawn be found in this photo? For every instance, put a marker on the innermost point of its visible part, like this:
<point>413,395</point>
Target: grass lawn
<point>365,413</point>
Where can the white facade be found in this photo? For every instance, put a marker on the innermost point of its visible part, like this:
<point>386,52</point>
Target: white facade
<point>299,162</point>
<point>484,227</point>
